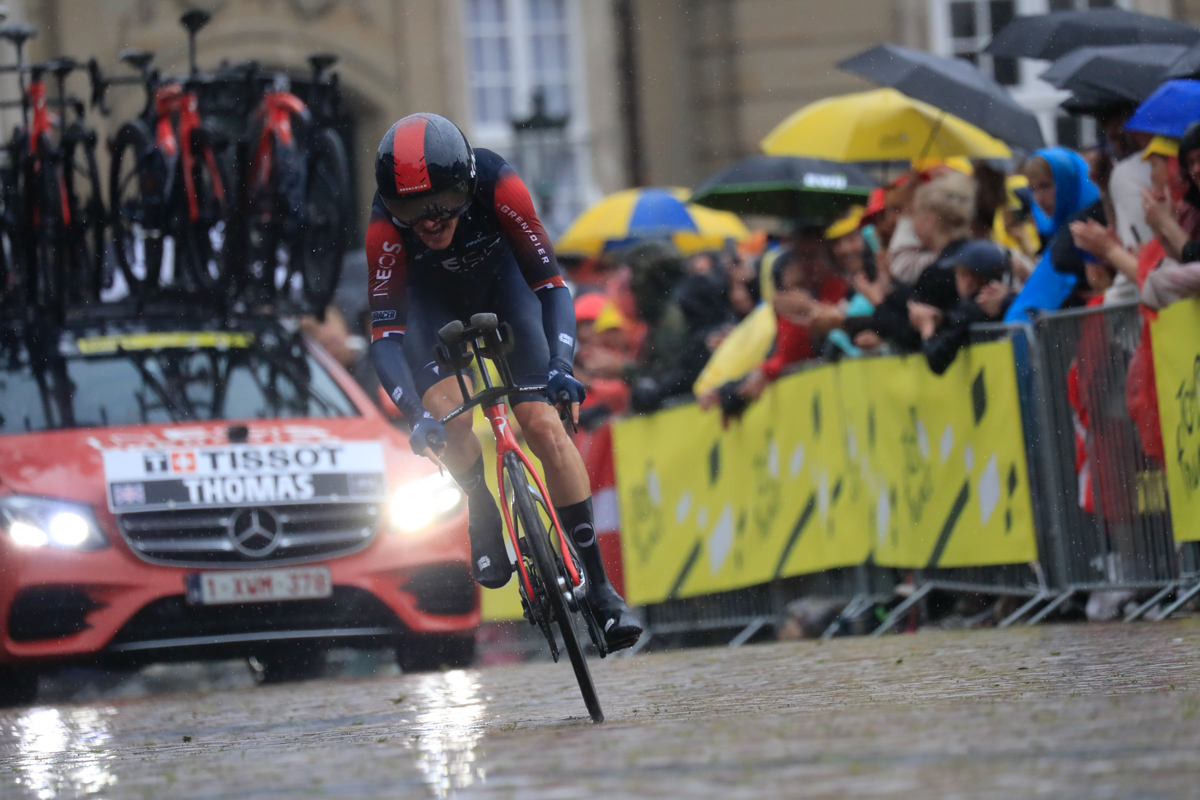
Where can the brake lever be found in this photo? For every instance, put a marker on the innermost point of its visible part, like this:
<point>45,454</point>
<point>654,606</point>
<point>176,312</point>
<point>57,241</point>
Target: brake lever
<point>564,410</point>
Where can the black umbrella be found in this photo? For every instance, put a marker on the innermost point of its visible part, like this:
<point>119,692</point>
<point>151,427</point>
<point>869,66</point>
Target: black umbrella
<point>952,85</point>
<point>1186,66</point>
<point>1050,36</point>
<point>785,186</point>
<point>1131,72</point>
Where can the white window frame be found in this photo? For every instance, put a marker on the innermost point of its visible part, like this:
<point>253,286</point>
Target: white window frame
<point>1030,91</point>
<point>498,136</point>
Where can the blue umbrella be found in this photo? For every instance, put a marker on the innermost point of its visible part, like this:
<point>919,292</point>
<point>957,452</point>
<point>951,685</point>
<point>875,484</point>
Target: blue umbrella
<point>1169,111</point>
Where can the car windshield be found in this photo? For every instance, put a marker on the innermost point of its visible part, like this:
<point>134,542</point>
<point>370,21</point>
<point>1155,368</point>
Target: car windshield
<point>57,380</point>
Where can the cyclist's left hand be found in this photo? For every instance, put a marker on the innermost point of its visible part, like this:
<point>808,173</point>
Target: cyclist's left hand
<point>566,392</point>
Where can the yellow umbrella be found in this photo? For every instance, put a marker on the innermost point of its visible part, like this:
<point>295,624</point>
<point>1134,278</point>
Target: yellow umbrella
<point>651,213</point>
<point>880,125</point>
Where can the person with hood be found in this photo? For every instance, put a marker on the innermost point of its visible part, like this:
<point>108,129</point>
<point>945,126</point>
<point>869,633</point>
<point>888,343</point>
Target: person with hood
<point>1061,189</point>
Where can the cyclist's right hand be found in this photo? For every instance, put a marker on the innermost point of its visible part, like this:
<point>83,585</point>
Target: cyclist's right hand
<point>428,438</point>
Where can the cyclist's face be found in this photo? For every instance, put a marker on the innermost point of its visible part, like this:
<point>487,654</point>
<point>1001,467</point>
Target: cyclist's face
<point>436,235</point>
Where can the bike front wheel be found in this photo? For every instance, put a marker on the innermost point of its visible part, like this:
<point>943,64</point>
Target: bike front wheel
<point>550,570</point>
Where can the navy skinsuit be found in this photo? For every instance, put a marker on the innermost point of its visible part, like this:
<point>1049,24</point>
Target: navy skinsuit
<point>500,260</point>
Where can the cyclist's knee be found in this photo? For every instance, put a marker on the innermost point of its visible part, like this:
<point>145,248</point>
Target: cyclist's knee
<point>545,434</point>
<point>459,428</point>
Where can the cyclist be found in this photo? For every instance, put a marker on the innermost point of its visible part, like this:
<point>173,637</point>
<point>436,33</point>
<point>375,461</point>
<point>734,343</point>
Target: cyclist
<point>453,232</point>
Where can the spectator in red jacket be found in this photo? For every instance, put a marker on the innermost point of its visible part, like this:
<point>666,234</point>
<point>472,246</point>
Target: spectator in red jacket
<point>804,280</point>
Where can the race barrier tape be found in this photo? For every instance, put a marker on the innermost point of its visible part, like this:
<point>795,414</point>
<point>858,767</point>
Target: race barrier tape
<point>1176,339</point>
<point>875,458</point>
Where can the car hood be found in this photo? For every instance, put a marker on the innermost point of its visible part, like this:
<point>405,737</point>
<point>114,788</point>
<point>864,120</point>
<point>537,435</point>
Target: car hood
<point>69,464</point>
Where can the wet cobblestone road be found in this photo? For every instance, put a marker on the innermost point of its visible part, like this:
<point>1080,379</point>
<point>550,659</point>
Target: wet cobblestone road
<point>1079,711</point>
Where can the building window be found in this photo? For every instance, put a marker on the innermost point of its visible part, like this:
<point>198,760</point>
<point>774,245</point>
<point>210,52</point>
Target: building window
<point>516,49</point>
<point>972,23</point>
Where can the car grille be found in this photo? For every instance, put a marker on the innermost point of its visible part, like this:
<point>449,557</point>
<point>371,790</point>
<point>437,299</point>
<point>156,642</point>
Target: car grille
<point>201,537</point>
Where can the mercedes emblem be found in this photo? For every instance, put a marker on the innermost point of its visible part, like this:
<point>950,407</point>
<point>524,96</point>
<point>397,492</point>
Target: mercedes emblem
<point>255,532</point>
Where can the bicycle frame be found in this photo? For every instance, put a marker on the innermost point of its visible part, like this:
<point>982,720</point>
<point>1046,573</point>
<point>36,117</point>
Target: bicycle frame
<point>506,443</point>
<point>276,112</point>
<point>170,100</point>
<point>491,399</point>
<point>43,124</point>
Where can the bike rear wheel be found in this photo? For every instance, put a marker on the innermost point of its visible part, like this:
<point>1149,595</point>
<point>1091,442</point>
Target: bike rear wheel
<point>136,187</point>
<point>48,225</point>
<point>552,572</point>
<point>326,223</point>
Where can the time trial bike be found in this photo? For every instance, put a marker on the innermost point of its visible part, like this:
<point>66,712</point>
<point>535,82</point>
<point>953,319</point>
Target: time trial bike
<point>552,582</point>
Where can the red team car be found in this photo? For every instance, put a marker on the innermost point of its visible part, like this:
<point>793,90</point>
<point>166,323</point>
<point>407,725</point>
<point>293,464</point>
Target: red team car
<point>174,489</point>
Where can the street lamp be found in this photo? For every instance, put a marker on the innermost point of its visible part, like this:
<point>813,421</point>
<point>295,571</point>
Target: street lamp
<point>540,141</point>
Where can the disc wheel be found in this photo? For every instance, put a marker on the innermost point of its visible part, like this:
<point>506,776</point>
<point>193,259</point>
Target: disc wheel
<point>206,255</point>
<point>326,225</point>
<point>86,229</point>
<point>136,187</point>
<point>552,573</point>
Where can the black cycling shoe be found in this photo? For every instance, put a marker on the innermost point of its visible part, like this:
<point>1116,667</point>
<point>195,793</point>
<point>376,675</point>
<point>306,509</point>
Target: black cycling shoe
<point>489,558</point>
<point>621,627</point>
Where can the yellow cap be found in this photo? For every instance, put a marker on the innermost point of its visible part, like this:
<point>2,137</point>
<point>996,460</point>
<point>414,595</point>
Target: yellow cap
<point>1161,146</point>
<point>956,163</point>
<point>846,225</point>
<point>609,317</point>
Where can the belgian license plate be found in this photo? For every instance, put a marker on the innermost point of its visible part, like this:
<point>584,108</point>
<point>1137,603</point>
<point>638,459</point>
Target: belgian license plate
<point>258,585</point>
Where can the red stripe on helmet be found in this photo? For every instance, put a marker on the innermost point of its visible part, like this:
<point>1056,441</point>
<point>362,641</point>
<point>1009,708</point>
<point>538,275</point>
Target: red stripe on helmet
<point>408,155</point>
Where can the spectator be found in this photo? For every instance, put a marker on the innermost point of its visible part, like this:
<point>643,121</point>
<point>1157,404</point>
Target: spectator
<point>679,312</point>
<point>1173,208</point>
<point>1166,210</point>
<point>804,281</point>
<point>1061,189</point>
<point>943,211</point>
<point>601,356</point>
<point>979,266</point>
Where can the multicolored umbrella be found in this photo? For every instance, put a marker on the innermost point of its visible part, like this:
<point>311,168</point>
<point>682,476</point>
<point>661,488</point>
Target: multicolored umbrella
<point>636,215</point>
<point>880,125</point>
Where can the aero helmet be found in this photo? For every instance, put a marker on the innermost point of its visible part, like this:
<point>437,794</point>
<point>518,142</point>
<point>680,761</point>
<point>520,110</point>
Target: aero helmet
<point>425,169</point>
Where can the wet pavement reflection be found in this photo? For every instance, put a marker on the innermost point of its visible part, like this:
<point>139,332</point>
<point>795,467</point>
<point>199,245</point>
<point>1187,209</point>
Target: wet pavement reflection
<point>1079,711</point>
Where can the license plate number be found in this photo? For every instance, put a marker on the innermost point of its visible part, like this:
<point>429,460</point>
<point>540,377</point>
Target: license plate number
<point>258,585</point>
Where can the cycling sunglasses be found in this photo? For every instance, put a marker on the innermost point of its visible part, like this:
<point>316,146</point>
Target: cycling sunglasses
<point>446,204</point>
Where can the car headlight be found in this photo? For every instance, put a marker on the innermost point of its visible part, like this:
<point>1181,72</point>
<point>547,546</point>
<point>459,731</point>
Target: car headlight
<point>423,502</point>
<point>40,522</point>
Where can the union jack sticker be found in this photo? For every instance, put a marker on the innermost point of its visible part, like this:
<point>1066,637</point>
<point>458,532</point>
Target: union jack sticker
<point>129,494</point>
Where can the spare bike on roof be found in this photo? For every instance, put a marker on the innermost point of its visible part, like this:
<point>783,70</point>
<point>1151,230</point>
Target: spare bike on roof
<point>168,188</point>
<point>293,190</point>
<point>52,216</point>
<point>552,582</point>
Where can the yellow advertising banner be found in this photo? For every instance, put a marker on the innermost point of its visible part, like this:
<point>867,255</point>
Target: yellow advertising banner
<point>830,466</point>
<point>944,459</point>
<point>1176,338</point>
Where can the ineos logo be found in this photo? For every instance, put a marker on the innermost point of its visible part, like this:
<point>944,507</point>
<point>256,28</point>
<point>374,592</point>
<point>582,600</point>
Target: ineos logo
<point>255,532</point>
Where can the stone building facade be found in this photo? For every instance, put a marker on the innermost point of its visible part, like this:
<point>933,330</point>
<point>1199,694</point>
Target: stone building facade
<point>654,91</point>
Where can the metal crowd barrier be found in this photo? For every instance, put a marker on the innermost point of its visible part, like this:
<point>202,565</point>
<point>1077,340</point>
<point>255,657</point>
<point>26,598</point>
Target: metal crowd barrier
<point>1125,544</point>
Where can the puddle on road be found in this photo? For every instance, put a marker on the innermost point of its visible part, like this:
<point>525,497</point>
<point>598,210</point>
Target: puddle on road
<point>61,753</point>
<point>448,728</point>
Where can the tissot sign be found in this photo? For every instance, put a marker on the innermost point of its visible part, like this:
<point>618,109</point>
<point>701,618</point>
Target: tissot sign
<point>144,480</point>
